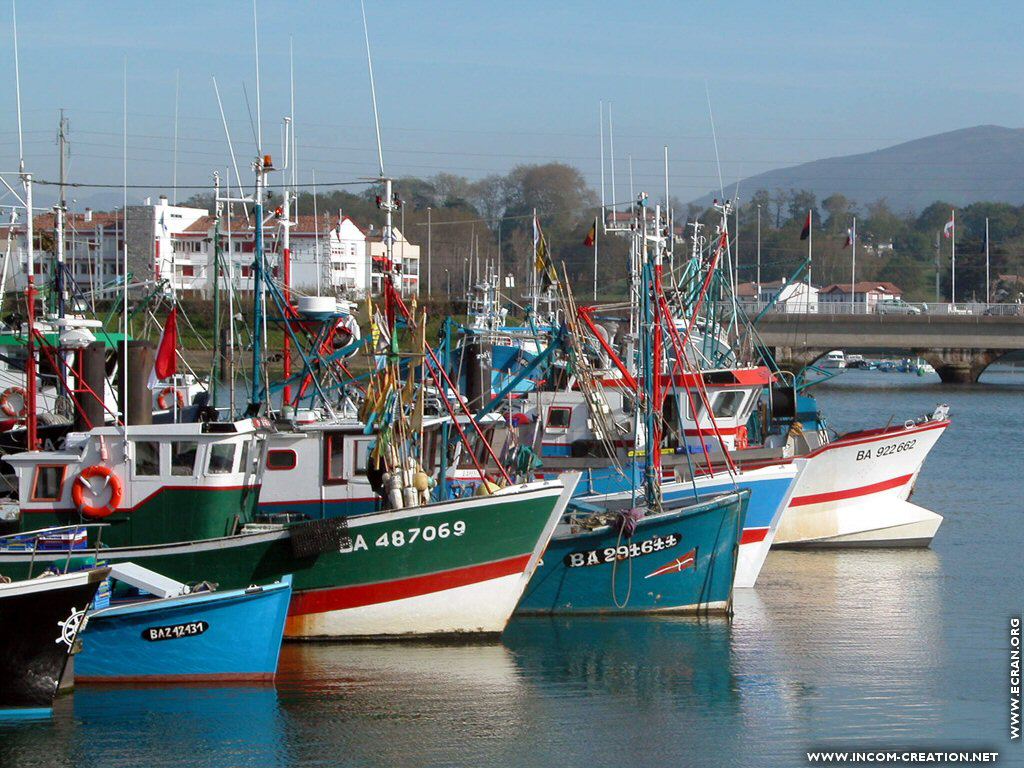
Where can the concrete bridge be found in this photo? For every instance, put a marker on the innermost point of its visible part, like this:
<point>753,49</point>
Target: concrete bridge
<point>959,347</point>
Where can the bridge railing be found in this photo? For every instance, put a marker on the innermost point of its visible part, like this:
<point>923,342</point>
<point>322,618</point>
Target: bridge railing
<point>969,308</point>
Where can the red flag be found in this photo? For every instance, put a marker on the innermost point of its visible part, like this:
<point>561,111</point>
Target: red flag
<point>166,364</point>
<point>806,231</point>
<point>591,235</point>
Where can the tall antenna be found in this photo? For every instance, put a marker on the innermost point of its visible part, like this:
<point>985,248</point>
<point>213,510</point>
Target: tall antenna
<point>611,149</point>
<point>124,248</point>
<point>601,124</point>
<point>17,90</point>
<point>174,180</point>
<point>259,114</point>
<point>373,89</point>
<point>231,151</point>
<point>714,138</point>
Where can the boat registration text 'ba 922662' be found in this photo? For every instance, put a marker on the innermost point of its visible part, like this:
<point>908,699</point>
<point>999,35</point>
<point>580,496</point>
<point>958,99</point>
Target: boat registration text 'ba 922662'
<point>175,631</point>
<point>889,449</point>
<point>405,537</point>
<point>622,551</point>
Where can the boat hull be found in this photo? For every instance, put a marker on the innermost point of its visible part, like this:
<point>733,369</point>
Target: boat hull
<point>39,623</point>
<point>854,492</point>
<point>679,560</point>
<point>215,636</point>
<point>399,572</point>
<point>770,491</point>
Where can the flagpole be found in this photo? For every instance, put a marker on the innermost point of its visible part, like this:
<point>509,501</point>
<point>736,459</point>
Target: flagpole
<point>952,287</point>
<point>988,279</point>
<point>810,263</point>
<point>758,249</point>
<point>595,259</point>
<point>853,270</point>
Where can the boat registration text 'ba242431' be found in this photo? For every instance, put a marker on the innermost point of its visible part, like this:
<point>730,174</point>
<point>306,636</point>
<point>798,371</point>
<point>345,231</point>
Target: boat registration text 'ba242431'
<point>887,450</point>
<point>405,537</point>
<point>622,551</point>
<point>175,631</point>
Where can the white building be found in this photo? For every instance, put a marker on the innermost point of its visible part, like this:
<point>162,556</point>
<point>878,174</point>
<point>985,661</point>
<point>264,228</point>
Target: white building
<point>176,244</point>
<point>866,294</point>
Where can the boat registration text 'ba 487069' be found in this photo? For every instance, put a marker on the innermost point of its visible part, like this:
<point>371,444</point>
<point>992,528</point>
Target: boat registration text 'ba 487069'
<point>403,538</point>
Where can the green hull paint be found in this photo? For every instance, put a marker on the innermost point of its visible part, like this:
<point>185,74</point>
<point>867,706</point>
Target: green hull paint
<point>495,528</point>
<point>170,515</point>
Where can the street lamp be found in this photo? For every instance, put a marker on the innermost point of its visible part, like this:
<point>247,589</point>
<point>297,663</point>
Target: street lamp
<point>448,282</point>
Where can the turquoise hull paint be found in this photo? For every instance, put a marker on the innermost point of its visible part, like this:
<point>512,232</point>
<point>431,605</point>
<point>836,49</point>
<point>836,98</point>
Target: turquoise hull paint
<point>766,494</point>
<point>679,560</point>
<point>228,635</point>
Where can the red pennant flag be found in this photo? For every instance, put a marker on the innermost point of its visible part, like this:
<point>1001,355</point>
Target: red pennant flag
<point>806,231</point>
<point>166,364</point>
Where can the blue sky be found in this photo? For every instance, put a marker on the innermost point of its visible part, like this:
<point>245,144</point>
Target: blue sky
<point>477,87</point>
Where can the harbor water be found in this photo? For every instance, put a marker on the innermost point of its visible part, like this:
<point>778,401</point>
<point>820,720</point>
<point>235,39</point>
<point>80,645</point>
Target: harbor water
<point>868,650</point>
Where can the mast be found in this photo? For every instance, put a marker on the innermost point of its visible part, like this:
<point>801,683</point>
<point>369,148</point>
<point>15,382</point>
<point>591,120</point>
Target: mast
<point>217,341</point>
<point>286,269</point>
<point>30,288</point>
<point>60,210</point>
<point>758,249</point>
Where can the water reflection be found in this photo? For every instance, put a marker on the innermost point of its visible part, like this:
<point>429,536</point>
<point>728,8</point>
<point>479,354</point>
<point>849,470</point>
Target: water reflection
<point>201,727</point>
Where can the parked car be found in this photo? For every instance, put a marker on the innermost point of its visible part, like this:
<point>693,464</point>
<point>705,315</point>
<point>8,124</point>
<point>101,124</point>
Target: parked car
<point>896,307</point>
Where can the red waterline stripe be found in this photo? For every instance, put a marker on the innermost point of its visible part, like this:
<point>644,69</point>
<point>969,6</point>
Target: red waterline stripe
<point>864,490</point>
<point>753,535</point>
<point>324,600</point>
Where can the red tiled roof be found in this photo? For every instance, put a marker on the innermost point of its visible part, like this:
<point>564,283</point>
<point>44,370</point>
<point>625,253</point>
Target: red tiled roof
<point>865,286</point>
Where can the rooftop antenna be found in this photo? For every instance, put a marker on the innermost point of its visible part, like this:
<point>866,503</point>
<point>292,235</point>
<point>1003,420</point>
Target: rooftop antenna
<point>174,181</point>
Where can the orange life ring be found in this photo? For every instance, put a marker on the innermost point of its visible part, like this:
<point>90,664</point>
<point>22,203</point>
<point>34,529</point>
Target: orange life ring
<point>741,438</point>
<point>5,402</point>
<point>81,483</point>
<point>162,400</point>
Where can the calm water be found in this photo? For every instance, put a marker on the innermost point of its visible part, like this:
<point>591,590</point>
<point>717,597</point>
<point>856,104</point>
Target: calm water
<point>858,649</point>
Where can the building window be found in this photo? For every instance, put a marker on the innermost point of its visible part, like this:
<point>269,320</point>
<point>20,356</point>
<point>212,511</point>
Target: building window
<point>246,271</point>
<point>147,458</point>
<point>49,482</point>
<point>279,460</point>
<point>188,270</point>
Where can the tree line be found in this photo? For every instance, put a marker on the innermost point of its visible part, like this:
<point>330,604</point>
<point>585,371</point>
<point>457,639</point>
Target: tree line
<point>489,222</point>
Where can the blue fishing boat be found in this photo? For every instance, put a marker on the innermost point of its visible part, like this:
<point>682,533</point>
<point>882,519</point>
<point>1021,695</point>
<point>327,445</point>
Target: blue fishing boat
<point>176,635</point>
<point>680,559</point>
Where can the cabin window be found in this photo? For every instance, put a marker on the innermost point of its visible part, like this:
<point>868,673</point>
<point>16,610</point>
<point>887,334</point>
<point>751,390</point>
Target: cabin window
<point>279,459</point>
<point>559,417</point>
<point>334,455</point>
<point>147,458</point>
<point>362,457</point>
<point>727,404</point>
<point>49,482</point>
<point>222,458</point>
<point>183,458</point>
